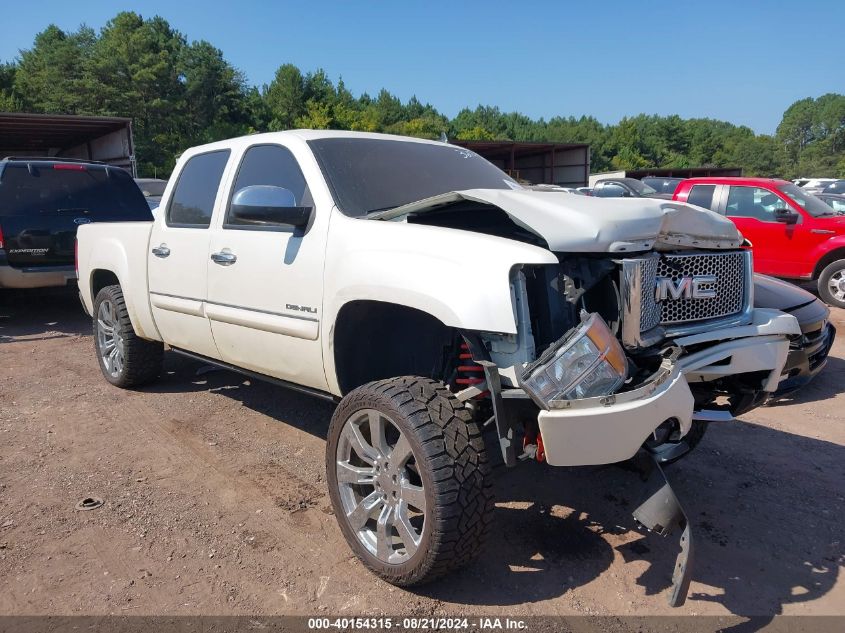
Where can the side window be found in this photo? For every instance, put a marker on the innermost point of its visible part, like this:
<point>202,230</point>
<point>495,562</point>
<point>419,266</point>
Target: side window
<point>753,202</point>
<point>702,195</point>
<point>192,202</point>
<point>272,165</point>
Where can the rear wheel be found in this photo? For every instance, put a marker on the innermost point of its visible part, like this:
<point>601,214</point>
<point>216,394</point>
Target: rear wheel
<point>832,284</point>
<point>408,479</point>
<point>126,360</point>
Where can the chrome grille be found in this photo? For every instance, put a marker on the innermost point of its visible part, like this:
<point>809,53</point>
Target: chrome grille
<point>729,270</point>
<point>650,311</point>
<point>646,321</point>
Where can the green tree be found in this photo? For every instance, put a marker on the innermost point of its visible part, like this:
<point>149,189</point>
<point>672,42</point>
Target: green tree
<point>135,71</point>
<point>317,116</point>
<point>476,133</point>
<point>9,101</point>
<point>50,75</point>
<point>215,95</point>
<point>285,97</point>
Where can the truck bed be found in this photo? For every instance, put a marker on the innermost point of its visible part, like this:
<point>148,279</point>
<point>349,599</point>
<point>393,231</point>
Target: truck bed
<point>120,247</point>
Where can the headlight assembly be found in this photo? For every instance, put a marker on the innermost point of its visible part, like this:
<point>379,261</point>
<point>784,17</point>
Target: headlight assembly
<point>588,362</point>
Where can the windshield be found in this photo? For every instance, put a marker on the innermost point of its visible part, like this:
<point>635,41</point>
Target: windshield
<point>368,175</point>
<point>806,201</point>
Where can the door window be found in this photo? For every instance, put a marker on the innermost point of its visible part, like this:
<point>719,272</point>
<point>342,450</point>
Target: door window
<point>268,165</point>
<point>754,202</point>
<point>192,202</point>
<point>702,195</point>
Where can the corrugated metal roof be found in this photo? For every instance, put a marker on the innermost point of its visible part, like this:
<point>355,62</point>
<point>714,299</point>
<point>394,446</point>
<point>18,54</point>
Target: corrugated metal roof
<point>520,148</point>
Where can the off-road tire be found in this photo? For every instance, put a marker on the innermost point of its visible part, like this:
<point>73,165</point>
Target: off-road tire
<point>452,461</point>
<point>824,279</point>
<point>142,359</point>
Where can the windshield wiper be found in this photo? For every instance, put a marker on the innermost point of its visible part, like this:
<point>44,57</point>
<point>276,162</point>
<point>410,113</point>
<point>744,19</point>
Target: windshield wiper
<point>392,206</point>
<point>376,214</point>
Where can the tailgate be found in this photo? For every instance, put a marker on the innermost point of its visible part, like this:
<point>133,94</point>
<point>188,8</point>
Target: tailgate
<point>38,240</point>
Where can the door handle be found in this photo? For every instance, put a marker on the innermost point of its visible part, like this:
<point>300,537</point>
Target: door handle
<point>224,258</point>
<point>161,251</point>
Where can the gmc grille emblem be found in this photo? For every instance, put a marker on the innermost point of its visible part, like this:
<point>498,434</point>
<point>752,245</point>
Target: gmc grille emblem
<point>687,287</point>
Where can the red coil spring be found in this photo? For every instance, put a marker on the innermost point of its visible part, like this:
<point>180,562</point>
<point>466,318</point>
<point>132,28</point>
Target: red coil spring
<point>469,372</point>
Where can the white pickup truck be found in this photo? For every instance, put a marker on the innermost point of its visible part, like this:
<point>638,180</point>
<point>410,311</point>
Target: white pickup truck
<point>434,299</point>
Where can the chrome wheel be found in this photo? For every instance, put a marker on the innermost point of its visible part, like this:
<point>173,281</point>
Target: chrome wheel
<point>109,340</point>
<point>836,285</point>
<point>380,488</point>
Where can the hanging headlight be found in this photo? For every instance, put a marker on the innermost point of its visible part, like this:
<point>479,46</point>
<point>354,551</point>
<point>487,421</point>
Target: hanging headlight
<point>588,362</point>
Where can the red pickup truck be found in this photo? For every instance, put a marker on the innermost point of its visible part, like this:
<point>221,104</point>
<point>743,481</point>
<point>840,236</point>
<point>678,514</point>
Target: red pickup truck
<point>793,234</point>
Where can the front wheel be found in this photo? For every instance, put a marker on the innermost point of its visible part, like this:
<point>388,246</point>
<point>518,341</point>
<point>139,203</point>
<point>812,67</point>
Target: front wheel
<point>126,360</point>
<point>832,284</point>
<point>408,479</point>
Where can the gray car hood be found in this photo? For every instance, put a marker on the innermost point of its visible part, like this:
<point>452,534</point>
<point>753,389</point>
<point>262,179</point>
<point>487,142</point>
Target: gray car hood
<point>570,223</point>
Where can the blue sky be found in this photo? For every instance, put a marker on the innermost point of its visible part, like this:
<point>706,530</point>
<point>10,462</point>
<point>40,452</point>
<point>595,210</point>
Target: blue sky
<point>744,61</point>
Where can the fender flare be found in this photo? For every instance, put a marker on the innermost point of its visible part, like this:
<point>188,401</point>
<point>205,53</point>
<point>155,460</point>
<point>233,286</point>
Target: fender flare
<point>111,256</point>
<point>820,252</point>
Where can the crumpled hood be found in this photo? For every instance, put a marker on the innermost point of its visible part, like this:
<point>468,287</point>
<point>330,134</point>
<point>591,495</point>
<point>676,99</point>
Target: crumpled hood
<point>571,223</point>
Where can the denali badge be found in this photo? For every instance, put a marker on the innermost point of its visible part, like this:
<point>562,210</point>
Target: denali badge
<point>291,306</point>
<point>689,287</point>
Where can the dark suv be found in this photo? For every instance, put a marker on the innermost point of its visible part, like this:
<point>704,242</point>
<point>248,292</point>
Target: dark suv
<point>43,201</point>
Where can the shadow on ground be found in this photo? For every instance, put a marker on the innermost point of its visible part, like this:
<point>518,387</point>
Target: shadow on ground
<point>38,315</point>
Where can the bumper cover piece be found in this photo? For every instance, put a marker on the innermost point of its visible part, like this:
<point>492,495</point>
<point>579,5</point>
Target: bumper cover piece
<point>807,357</point>
<point>609,429</point>
<point>661,512</point>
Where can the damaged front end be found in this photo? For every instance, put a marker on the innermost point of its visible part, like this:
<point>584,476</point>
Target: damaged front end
<point>644,331</point>
<point>591,401</point>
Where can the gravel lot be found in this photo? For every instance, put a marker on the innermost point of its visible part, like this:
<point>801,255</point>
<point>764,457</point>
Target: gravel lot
<point>215,502</point>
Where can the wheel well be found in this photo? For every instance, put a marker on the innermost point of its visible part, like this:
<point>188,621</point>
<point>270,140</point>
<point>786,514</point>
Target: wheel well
<point>375,340</point>
<point>101,278</point>
<point>829,258</point>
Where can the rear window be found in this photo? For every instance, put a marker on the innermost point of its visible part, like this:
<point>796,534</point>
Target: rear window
<point>101,193</point>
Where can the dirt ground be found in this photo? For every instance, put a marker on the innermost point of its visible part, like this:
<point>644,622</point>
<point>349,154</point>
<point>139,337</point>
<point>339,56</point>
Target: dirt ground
<point>215,502</point>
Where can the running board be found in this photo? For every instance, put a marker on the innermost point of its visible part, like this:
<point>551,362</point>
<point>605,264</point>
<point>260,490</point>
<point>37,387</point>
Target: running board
<point>323,395</point>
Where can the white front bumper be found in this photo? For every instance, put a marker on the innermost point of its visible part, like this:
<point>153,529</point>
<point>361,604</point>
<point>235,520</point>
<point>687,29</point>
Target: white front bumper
<point>610,429</point>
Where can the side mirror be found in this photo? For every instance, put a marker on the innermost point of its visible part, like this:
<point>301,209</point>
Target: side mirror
<point>266,205</point>
<point>787,216</point>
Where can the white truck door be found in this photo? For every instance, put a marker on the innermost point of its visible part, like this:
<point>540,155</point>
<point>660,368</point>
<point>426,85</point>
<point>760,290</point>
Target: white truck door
<point>265,277</point>
<point>178,258</point>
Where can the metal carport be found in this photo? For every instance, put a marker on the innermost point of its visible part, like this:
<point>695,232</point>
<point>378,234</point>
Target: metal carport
<point>106,139</point>
<point>564,164</point>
